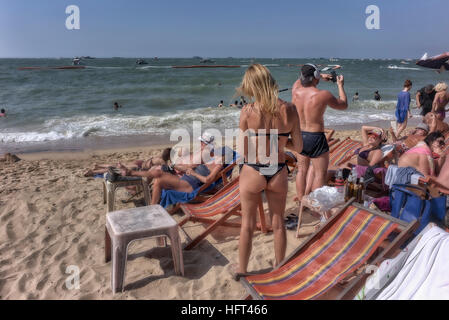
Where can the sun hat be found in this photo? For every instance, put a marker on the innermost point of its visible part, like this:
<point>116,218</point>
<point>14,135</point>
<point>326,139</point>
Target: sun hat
<point>423,126</point>
<point>207,138</point>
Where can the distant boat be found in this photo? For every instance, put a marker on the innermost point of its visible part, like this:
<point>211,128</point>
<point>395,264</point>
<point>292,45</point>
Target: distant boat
<point>76,61</point>
<point>53,68</point>
<point>392,66</point>
<point>87,57</point>
<point>197,57</point>
<point>403,62</point>
<point>141,61</point>
<point>207,61</point>
<point>333,60</point>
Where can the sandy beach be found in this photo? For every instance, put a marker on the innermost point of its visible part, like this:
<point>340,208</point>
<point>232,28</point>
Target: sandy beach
<point>53,217</point>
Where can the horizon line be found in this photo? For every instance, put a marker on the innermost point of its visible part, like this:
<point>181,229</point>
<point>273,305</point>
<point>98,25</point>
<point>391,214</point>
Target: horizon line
<point>195,57</point>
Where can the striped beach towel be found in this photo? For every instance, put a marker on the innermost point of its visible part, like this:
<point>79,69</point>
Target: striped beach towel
<point>340,250</point>
<point>343,151</point>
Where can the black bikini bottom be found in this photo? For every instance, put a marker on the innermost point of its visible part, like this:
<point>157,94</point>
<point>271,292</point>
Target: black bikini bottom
<point>258,168</point>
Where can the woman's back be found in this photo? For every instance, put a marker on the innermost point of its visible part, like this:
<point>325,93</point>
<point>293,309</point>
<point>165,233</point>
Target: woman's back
<point>263,127</point>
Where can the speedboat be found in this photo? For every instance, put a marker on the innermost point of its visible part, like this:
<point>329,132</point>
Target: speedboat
<point>141,61</point>
<point>207,61</point>
<point>76,61</point>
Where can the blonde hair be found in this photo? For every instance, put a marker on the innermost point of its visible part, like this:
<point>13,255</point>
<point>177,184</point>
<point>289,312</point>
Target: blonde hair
<point>258,83</point>
<point>442,86</point>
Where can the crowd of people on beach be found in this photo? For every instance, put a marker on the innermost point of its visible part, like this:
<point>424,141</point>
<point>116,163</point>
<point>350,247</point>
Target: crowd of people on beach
<point>300,130</point>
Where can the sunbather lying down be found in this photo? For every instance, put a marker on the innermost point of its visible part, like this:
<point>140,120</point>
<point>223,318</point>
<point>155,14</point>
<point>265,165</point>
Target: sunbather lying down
<point>137,165</point>
<point>187,178</point>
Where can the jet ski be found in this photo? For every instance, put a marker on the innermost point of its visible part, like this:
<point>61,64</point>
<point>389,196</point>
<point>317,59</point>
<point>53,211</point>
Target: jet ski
<point>141,61</point>
<point>76,61</point>
<point>207,61</point>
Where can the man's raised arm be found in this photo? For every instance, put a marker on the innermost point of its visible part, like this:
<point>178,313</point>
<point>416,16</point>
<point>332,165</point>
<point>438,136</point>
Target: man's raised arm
<point>342,102</point>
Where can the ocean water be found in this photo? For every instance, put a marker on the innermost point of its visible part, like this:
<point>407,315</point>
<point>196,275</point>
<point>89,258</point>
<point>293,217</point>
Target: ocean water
<point>68,105</point>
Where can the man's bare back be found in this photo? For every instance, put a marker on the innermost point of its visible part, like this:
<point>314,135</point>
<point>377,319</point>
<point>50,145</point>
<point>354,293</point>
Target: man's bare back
<point>311,104</point>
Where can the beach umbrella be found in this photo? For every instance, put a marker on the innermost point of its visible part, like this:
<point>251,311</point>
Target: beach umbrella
<point>440,62</point>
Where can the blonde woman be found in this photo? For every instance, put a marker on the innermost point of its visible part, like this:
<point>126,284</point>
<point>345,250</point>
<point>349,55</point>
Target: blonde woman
<point>441,100</point>
<point>257,120</point>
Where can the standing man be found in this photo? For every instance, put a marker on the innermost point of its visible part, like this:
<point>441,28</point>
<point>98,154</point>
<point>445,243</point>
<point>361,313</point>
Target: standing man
<point>424,99</point>
<point>311,104</point>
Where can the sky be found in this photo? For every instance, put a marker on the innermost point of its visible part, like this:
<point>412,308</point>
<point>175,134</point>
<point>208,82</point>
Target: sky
<point>225,28</point>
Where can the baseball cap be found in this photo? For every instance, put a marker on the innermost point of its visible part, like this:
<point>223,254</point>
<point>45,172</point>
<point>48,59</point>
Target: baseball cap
<point>207,138</point>
<point>423,126</point>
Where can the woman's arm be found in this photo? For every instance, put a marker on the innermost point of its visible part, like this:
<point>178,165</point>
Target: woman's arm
<point>209,178</point>
<point>365,130</point>
<point>242,142</point>
<point>435,102</point>
<point>295,143</point>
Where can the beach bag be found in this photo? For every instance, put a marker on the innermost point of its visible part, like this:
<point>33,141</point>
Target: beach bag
<point>410,202</point>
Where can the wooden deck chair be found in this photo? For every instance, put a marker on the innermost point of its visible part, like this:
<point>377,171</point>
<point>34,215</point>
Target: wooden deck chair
<point>332,142</point>
<point>329,133</point>
<point>209,189</point>
<point>225,204</point>
<point>338,251</point>
<point>342,152</point>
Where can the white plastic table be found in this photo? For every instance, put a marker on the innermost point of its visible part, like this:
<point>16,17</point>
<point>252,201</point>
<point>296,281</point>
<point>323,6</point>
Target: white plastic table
<point>126,226</point>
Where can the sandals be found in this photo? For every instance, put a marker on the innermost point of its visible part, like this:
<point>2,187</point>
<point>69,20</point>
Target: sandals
<point>291,221</point>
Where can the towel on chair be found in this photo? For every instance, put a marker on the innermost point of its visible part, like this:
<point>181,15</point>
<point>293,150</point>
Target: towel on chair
<point>170,197</point>
<point>418,272</point>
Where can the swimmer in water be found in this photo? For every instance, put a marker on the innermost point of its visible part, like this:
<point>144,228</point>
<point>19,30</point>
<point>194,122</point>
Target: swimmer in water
<point>3,113</point>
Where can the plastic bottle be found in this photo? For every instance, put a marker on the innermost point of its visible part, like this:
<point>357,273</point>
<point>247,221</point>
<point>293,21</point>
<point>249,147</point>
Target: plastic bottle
<point>339,181</point>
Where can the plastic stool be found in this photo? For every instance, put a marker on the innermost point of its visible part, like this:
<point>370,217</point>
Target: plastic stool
<point>126,226</point>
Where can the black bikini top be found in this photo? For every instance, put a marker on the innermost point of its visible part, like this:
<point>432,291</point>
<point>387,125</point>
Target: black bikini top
<point>256,134</point>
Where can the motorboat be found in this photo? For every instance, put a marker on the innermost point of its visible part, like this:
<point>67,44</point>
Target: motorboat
<point>76,61</point>
<point>141,61</point>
